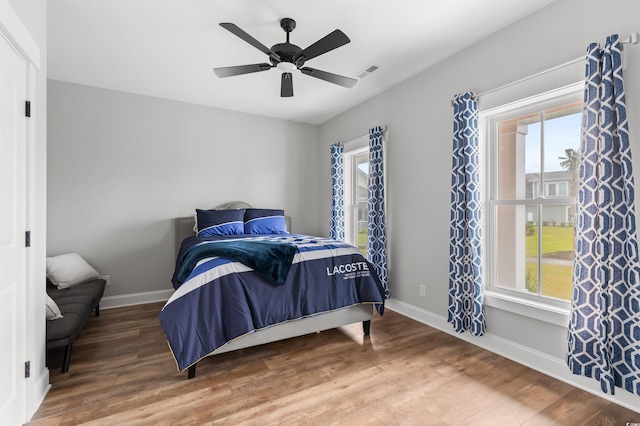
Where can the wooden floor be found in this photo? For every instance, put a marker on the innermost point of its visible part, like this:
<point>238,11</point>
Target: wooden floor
<point>405,373</point>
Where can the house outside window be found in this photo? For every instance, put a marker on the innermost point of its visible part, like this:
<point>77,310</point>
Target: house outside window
<point>532,151</point>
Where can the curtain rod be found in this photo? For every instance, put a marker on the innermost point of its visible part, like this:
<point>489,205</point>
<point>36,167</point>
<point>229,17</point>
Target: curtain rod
<point>632,39</point>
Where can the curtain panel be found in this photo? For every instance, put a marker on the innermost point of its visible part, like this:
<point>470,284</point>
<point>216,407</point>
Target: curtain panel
<point>604,328</point>
<point>376,221</point>
<point>336,229</point>
<point>466,293</point>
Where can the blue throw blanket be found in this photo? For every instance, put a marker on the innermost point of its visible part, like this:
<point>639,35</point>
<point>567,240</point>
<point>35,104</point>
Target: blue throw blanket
<point>269,258</point>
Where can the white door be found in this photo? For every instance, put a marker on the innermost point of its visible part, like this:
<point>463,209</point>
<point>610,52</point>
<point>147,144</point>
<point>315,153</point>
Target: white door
<point>13,91</point>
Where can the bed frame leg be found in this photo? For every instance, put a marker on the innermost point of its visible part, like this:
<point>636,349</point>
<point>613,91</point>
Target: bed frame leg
<point>191,373</point>
<point>366,327</point>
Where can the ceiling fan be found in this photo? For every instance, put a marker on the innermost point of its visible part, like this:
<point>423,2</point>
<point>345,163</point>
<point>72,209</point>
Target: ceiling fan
<point>288,57</point>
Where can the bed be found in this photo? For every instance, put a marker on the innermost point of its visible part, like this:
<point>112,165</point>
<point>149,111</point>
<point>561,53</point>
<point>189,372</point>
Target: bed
<point>235,291</point>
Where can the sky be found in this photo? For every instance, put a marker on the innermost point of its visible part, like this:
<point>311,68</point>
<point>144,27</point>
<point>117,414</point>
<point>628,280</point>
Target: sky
<point>560,133</point>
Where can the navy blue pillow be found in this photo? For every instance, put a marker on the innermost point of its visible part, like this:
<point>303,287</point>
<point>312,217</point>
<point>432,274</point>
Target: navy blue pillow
<point>220,222</point>
<point>264,221</point>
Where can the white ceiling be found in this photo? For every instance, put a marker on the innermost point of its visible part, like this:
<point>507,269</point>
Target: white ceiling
<point>168,48</point>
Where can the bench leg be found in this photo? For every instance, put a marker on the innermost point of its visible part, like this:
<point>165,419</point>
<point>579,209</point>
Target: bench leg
<point>366,327</point>
<point>67,359</point>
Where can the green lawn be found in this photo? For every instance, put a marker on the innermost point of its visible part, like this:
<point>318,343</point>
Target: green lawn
<point>555,239</point>
<point>556,280</point>
<point>557,243</point>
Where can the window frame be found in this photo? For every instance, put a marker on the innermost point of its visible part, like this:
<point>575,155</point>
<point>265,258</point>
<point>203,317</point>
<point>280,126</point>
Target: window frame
<point>353,150</point>
<point>543,308</point>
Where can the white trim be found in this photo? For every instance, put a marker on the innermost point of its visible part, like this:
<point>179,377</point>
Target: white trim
<point>121,300</point>
<point>511,299</point>
<point>40,388</point>
<point>536,309</point>
<point>35,389</point>
<point>352,150</point>
<point>529,357</point>
<point>17,34</point>
<point>502,112</point>
<point>357,143</point>
<point>351,204</point>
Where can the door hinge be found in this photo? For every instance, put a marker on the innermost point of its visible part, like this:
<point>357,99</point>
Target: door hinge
<point>27,109</point>
<point>27,239</point>
<point>27,369</point>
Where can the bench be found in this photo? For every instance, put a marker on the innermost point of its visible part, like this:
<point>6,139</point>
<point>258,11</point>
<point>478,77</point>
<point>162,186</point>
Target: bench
<point>76,304</point>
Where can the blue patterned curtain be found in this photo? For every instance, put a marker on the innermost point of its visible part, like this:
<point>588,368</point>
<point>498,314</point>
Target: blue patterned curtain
<point>466,294</point>
<point>336,229</point>
<point>604,330</point>
<point>377,233</point>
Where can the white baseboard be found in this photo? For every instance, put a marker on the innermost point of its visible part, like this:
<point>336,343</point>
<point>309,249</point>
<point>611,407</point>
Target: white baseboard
<point>109,302</point>
<point>546,364</point>
<point>38,391</point>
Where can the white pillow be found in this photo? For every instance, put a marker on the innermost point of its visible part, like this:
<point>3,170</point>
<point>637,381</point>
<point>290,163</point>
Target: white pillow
<point>53,312</point>
<point>69,269</point>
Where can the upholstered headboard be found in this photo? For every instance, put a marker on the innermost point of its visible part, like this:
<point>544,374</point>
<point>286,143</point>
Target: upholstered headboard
<point>184,225</point>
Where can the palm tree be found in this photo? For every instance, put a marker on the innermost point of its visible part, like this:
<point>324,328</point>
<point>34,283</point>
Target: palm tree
<point>571,163</point>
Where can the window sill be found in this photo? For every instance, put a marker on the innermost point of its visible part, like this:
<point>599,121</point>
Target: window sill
<point>538,310</point>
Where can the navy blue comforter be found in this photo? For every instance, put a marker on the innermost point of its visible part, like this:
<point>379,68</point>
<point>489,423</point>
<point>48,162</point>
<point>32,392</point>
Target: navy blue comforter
<point>245,283</point>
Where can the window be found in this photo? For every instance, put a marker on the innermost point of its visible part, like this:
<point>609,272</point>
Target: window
<point>356,171</point>
<point>533,156</point>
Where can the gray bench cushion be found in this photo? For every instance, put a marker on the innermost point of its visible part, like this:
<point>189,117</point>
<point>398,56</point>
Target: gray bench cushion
<point>76,304</point>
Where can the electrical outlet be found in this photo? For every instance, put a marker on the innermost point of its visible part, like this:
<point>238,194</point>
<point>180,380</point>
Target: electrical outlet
<point>107,278</point>
<point>423,290</point>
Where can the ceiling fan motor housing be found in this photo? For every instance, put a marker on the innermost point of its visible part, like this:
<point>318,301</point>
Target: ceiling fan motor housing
<point>288,53</point>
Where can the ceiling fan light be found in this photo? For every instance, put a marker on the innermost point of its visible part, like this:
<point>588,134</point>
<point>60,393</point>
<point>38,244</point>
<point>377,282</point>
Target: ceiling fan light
<point>286,66</point>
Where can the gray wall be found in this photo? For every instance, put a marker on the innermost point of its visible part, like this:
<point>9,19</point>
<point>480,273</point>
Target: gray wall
<point>121,166</point>
<point>418,113</point>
